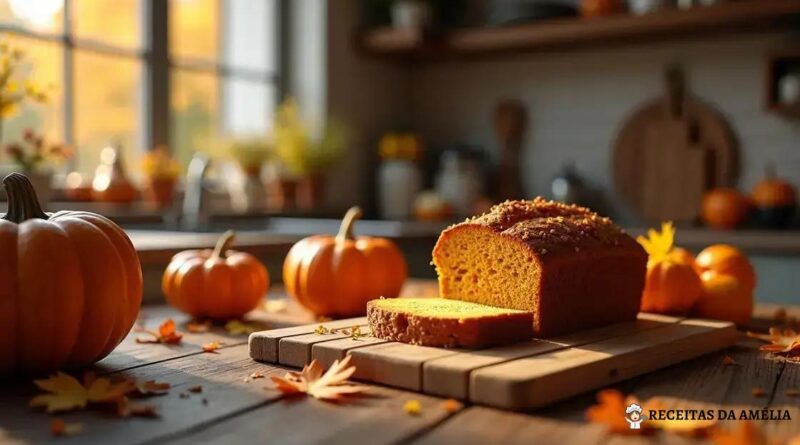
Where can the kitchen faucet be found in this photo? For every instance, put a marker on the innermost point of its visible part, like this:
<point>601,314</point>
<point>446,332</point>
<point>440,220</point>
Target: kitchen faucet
<point>195,199</point>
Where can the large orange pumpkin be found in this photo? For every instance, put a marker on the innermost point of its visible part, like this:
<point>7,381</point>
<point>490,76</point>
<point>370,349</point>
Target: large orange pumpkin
<point>724,298</point>
<point>217,283</point>
<point>723,208</point>
<point>727,260</point>
<point>337,276</point>
<point>71,285</point>
<point>671,285</point>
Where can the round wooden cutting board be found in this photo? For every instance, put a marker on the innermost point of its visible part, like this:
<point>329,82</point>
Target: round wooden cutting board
<point>669,151</point>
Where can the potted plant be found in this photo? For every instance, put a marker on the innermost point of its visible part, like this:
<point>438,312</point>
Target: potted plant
<point>33,156</point>
<point>305,155</point>
<point>161,172</point>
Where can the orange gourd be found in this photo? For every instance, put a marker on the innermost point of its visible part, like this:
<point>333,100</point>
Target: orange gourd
<point>217,284</point>
<point>598,8</point>
<point>723,208</point>
<point>337,276</point>
<point>672,285</point>
<point>727,260</point>
<point>71,285</point>
<point>773,191</point>
<point>724,298</point>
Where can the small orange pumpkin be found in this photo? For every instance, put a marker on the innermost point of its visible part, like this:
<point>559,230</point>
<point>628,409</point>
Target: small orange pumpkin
<point>216,284</point>
<point>774,199</point>
<point>337,276</point>
<point>71,285</point>
<point>723,208</point>
<point>598,8</point>
<point>671,285</point>
<point>727,260</point>
<point>724,298</point>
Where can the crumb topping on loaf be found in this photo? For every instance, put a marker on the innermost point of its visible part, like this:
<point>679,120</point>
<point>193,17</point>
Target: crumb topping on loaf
<point>550,226</point>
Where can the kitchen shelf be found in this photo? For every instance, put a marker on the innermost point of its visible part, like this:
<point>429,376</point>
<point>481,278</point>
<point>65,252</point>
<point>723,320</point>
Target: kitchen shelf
<point>771,242</point>
<point>565,34</point>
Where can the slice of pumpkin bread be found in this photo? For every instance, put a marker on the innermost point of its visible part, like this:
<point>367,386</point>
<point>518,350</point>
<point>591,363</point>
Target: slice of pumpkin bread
<point>447,323</point>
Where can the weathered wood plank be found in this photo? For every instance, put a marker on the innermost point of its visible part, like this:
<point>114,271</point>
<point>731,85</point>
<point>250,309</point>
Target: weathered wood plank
<point>377,418</point>
<point>449,376</point>
<point>296,350</point>
<point>481,425</point>
<point>264,344</point>
<point>542,379</point>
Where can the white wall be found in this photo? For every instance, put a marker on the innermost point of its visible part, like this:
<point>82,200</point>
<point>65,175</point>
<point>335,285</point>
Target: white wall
<point>576,101</point>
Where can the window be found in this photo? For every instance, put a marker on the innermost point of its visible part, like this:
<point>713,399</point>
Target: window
<point>117,65</point>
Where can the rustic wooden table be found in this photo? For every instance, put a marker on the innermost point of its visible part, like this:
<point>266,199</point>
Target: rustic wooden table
<point>231,409</point>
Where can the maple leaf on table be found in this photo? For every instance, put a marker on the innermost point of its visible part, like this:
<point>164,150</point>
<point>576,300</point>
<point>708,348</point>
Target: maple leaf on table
<point>785,343</point>
<point>212,347</point>
<point>610,411</point>
<point>166,334</point>
<point>66,393</point>
<point>330,386</point>
<point>152,387</point>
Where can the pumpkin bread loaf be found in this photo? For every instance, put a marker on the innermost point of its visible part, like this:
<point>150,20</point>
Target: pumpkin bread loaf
<point>446,323</point>
<point>572,268</point>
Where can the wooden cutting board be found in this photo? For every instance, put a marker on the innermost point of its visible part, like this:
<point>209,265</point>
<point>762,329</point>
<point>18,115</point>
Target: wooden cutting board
<point>670,151</point>
<point>520,376</point>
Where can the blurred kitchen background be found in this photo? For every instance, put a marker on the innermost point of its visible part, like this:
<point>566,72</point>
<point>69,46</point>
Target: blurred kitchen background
<point>182,118</point>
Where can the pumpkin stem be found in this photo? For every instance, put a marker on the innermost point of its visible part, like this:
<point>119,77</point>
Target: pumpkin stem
<point>223,243</point>
<point>346,229</point>
<point>22,201</point>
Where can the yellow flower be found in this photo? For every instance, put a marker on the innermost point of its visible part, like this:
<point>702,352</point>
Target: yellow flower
<point>412,407</point>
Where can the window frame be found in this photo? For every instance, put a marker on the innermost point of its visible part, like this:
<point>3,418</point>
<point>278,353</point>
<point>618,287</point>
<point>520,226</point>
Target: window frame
<point>157,65</point>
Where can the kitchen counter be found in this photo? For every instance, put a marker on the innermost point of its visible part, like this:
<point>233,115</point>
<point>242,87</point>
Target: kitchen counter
<point>231,408</point>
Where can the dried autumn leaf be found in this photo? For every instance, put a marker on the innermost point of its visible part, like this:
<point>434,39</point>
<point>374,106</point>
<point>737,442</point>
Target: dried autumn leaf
<point>729,361</point>
<point>166,334</point>
<point>610,411</point>
<point>747,433</point>
<point>67,393</point>
<point>412,407</point>
<point>330,386</point>
<point>211,347</point>
<point>321,330</point>
<point>785,343</point>
<point>152,387</point>
<point>198,327</point>
<point>195,389</point>
<point>126,408</point>
<point>238,327</point>
<point>59,428</point>
<point>451,405</point>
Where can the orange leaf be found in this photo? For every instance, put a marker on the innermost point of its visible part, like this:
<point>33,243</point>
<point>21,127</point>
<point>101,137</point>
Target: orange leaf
<point>196,389</point>
<point>152,387</point>
<point>126,408</point>
<point>785,343</point>
<point>211,347</point>
<point>610,411</point>
<point>166,334</point>
<point>330,386</point>
<point>197,327</point>
<point>412,407</point>
<point>59,428</point>
<point>451,405</point>
<point>66,393</point>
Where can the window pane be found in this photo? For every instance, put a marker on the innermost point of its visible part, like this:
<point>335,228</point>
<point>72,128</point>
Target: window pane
<point>247,106</point>
<point>193,28</point>
<point>39,15</point>
<point>42,66</point>
<point>250,34</point>
<point>115,22</point>
<point>194,105</point>
<point>107,108</point>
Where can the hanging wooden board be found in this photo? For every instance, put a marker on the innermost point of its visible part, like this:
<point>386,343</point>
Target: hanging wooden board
<point>670,151</point>
<point>520,376</point>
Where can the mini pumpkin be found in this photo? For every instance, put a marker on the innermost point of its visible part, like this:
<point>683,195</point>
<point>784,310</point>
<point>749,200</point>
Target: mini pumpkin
<point>337,276</point>
<point>71,285</point>
<point>774,200</point>
<point>724,298</point>
<point>217,284</point>
<point>727,260</point>
<point>723,208</point>
<point>671,286</point>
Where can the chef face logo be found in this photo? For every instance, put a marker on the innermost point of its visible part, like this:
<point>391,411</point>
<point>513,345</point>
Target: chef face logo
<point>634,416</point>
